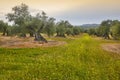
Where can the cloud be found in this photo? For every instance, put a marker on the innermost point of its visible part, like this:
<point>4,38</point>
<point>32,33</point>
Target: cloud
<point>34,11</point>
<point>90,14</point>
<point>77,11</point>
<point>2,16</point>
<point>2,13</point>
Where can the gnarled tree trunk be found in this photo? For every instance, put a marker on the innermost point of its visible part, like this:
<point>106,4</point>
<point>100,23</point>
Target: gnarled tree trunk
<point>39,37</point>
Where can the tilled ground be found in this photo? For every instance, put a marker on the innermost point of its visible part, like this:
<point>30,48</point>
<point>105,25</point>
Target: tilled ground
<point>15,42</point>
<point>112,47</point>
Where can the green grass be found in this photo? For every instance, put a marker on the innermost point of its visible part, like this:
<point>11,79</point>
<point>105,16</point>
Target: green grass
<point>81,59</point>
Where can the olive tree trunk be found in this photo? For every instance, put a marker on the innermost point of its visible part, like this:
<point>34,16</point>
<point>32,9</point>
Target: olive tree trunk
<point>39,37</point>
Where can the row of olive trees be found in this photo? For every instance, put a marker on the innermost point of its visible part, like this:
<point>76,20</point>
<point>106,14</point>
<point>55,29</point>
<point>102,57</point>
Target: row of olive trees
<point>64,27</point>
<point>108,29</point>
<point>25,23</point>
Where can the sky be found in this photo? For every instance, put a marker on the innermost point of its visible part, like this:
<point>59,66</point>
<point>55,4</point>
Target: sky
<point>77,12</point>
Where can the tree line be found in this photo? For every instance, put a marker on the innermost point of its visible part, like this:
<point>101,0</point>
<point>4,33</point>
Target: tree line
<point>108,29</point>
<point>24,23</point>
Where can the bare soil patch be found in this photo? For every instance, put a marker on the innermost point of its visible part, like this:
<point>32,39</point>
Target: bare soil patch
<point>15,42</point>
<point>112,47</point>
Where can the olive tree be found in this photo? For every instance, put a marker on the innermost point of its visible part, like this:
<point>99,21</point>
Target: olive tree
<point>104,29</point>
<point>4,28</point>
<point>63,27</point>
<point>19,16</point>
<point>36,25</point>
<point>115,29</point>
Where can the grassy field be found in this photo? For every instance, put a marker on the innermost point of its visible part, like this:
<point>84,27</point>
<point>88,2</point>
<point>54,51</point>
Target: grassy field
<point>80,59</point>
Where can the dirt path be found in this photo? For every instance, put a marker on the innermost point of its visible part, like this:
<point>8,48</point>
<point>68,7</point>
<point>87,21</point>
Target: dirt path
<point>15,42</point>
<point>112,47</point>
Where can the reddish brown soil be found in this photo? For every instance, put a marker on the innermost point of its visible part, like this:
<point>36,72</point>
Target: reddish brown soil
<point>112,48</point>
<point>15,42</point>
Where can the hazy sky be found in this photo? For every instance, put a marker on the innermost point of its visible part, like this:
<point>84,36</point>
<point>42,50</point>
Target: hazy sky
<point>76,11</point>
